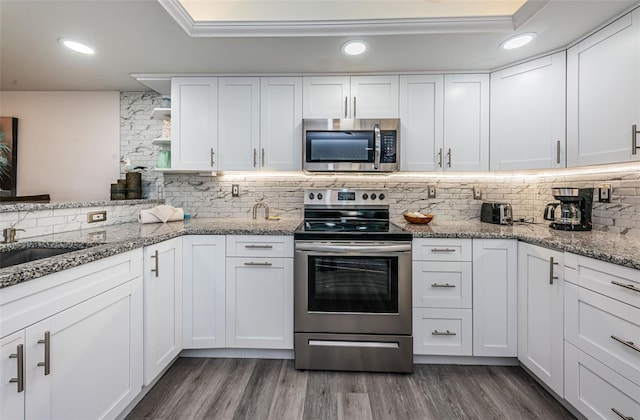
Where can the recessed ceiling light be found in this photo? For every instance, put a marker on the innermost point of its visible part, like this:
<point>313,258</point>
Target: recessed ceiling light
<point>518,41</point>
<point>355,47</point>
<point>77,46</point>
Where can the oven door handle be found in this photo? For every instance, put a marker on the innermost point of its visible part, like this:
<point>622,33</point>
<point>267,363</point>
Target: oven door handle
<point>354,248</point>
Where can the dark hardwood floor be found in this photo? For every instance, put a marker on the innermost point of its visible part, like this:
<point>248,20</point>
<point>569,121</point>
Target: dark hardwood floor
<point>200,388</point>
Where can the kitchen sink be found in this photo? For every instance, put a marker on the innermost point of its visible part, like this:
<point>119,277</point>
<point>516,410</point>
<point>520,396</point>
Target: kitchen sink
<point>21,256</point>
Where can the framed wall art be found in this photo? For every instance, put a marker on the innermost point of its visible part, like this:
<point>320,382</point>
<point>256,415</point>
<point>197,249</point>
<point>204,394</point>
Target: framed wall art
<point>8,156</point>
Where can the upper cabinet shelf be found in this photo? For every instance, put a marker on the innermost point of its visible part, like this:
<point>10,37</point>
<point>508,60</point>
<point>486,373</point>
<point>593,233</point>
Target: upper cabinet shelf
<point>161,113</point>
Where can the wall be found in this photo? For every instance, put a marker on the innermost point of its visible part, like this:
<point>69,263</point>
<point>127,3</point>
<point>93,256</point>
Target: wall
<point>68,142</point>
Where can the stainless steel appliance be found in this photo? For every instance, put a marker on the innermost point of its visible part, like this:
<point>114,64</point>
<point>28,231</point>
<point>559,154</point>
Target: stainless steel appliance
<point>498,213</point>
<point>352,284</point>
<point>573,212</point>
<point>351,145</point>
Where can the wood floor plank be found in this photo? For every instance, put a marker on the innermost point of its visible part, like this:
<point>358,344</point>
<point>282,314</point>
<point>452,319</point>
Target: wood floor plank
<point>353,406</point>
<point>259,392</point>
<point>288,401</point>
<point>221,402</point>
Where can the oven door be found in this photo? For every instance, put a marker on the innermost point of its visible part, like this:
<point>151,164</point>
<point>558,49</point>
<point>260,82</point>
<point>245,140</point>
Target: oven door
<point>352,287</point>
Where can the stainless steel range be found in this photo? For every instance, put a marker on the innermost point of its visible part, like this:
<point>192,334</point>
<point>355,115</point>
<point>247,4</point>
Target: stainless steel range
<point>352,284</point>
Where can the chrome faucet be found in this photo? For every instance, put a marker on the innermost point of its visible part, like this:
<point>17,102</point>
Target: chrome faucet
<point>255,209</point>
<point>9,235</point>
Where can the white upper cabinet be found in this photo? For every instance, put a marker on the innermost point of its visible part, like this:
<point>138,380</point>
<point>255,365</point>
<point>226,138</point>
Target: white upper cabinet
<point>528,115</point>
<point>281,123</point>
<point>194,112</point>
<point>445,122</point>
<point>239,123</point>
<point>603,94</point>
<point>350,97</point>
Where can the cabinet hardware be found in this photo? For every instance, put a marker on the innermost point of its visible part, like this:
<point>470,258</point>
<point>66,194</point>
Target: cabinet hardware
<point>440,158</point>
<point>558,152</point>
<point>447,332</point>
<point>634,139</point>
<point>626,343</point>
<point>346,104</point>
<point>262,164</point>
<point>626,286</point>
<point>354,107</point>
<point>212,153</point>
<point>442,250</point>
<point>47,352</point>
<point>443,285</point>
<point>622,416</point>
<point>264,264</point>
<point>255,157</point>
<point>551,276</point>
<point>155,270</point>
<point>19,355</point>
<point>449,158</point>
<point>259,246</point>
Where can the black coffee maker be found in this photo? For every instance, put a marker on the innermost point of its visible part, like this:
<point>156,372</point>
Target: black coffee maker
<point>573,212</point>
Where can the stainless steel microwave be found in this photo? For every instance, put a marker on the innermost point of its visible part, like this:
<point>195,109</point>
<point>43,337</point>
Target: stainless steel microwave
<point>351,145</point>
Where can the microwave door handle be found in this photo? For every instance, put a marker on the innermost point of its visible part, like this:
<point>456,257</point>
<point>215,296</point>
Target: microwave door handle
<point>376,147</point>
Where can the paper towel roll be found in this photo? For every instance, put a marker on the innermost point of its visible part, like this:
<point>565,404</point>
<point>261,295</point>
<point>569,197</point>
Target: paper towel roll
<point>161,214</point>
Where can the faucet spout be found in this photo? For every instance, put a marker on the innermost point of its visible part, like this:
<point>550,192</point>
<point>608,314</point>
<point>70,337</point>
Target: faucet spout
<point>255,209</point>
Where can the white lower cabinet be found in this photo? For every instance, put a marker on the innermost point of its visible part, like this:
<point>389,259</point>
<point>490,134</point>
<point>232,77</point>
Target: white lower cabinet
<point>540,314</point>
<point>203,292</point>
<point>162,306</point>
<point>259,292</point>
<point>84,361</point>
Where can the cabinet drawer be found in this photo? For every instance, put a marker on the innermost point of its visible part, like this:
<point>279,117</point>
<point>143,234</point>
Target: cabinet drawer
<point>595,390</point>
<point>259,246</point>
<point>442,332</point>
<point>427,249</point>
<point>618,282</point>
<point>441,284</point>
<point>605,329</point>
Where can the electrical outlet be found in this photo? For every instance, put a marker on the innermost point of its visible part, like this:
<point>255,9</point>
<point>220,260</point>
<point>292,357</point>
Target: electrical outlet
<point>477,193</point>
<point>604,193</point>
<point>431,191</point>
<point>235,190</point>
<point>96,216</point>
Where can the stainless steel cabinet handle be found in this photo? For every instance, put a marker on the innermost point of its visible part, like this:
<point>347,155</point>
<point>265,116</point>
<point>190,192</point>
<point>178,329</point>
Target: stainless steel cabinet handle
<point>443,285</point>
<point>47,352</point>
<point>626,286</point>
<point>262,164</point>
<point>622,416</point>
<point>449,158</point>
<point>255,157</point>
<point>551,276</point>
<point>634,139</point>
<point>377,146</point>
<point>626,343</point>
<point>212,153</point>
<point>264,264</point>
<point>259,246</point>
<point>442,250</point>
<point>447,332</point>
<point>354,107</point>
<point>558,152</point>
<point>155,270</point>
<point>440,158</point>
<point>346,106</point>
<point>19,355</point>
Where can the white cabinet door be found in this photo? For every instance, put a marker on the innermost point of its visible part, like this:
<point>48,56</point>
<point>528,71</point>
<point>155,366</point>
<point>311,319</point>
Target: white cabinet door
<point>194,123</point>
<point>259,303</point>
<point>239,123</point>
<point>162,306</point>
<point>421,108</point>
<point>326,97</point>
<point>528,115</point>
<point>466,122</point>
<point>203,291</point>
<point>281,123</point>
<point>12,394</point>
<point>374,96</point>
<point>603,94</point>
<point>540,313</point>
<point>495,296</point>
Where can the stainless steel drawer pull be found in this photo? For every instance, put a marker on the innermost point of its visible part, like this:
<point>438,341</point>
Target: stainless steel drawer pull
<point>626,286</point>
<point>47,352</point>
<point>442,250</point>
<point>443,285</point>
<point>551,276</point>
<point>622,416</point>
<point>626,343</point>
<point>155,270</point>
<point>264,264</point>
<point>447,332</point>
<point>19,355</point>
<point>259,246</point>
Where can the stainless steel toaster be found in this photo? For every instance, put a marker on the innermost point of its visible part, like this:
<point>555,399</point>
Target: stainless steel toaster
<point>498,213</point>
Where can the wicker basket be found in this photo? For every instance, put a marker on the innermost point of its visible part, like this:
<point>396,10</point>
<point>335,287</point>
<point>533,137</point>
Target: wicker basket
<point>418,220</point>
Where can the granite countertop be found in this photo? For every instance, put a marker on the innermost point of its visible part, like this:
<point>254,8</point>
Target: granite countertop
<point>98,243</point>
<point>26,206</point>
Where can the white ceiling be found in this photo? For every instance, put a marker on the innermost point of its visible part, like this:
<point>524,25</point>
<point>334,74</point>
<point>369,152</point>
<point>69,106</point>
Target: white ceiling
<point>141,37</point>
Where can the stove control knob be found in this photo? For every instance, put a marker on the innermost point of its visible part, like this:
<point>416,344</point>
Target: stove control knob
<point>311,196</point>
<point>373,196</point>
<point>319,196</point>
<point>381,196</point>
<point>365,196</point>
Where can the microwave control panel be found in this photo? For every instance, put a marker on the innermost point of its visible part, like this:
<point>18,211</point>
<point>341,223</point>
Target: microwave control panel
<point>388,146</point>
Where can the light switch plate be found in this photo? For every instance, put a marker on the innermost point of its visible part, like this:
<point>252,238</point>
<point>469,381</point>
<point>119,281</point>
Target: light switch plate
<point>431,191</point>
<point>477,193</point>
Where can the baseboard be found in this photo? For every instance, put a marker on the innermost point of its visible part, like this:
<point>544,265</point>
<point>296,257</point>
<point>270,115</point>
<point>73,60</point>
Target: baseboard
<point>465,360</point>
<point>239,353</point>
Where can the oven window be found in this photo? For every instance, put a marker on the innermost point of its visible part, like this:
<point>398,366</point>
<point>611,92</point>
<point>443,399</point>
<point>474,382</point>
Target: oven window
<point>353,284</point>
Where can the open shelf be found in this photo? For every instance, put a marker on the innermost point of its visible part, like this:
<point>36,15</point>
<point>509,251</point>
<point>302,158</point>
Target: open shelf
<point>161,113</point>
<point>162,142</point>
